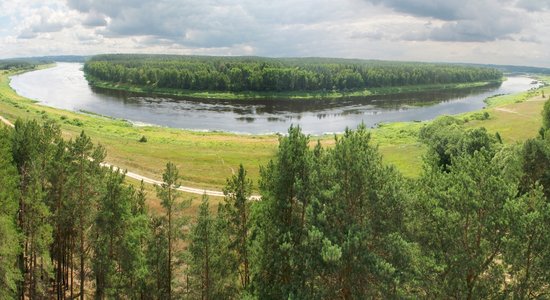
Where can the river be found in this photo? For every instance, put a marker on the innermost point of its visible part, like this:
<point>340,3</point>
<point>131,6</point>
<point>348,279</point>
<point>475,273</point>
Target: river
<point>65,87</point>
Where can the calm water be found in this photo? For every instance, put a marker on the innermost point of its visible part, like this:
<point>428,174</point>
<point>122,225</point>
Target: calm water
<point>64,86</point>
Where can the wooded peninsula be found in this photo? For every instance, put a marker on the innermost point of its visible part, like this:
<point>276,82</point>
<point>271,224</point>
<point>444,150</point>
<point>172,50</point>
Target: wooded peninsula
<point>169,74</point>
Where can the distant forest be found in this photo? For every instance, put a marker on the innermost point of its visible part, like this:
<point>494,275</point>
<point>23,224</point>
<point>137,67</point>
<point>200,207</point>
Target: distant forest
<point>259,74</point>
<point>31,62</point>
<point>15,64</point>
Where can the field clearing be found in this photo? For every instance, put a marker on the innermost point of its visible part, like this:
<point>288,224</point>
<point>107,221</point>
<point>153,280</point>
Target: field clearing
<point>206,159</point>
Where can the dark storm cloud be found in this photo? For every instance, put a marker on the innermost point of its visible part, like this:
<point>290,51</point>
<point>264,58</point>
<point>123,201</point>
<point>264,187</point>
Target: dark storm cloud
<point>463,20</point>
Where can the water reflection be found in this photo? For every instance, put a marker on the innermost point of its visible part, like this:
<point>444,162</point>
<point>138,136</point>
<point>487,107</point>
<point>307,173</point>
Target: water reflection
<point>64,86</point>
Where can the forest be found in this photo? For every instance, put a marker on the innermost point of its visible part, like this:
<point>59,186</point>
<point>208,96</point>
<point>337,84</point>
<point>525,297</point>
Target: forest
<point>259,74</point>
<point>332,223</point>
<point>16,64</point>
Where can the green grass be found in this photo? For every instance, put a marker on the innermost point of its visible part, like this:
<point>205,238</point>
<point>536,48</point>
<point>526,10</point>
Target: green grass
<point>248,95</point>
<point>206,159</point>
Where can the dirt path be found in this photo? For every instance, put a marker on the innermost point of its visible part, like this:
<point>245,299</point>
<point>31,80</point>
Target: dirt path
<point>5,121</point>
<point>153,181</point>
<point>510,111</point>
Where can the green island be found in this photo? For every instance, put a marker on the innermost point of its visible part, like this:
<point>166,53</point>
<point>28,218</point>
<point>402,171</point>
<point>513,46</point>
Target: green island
<point>455,207</point>
<point>277,78</point>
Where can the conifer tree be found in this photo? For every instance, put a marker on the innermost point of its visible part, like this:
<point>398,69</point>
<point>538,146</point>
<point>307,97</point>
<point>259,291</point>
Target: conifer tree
<point>10,249</point>
<point>33,150</point>
<point>210,273</point>
<point>119,237</point>
<point>168,195</point>
<point>85,181</point>
<point>236,210</point>
<point>280,224</point>
<point>461,223</point>
<point>527,248</point>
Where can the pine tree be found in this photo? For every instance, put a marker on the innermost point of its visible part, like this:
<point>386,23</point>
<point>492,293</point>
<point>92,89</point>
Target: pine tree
<point>119,237</point>
<point>33,150</point>
<point>461,223</point>
<point>280,224</point>
<point>236,210</point>
<point>527,247</point>
<point>10,249</point>
<point>168,194</point>
<point>133,260</point>
<point>358,249</point>
<point>84,183</point>
<point>208,267</point>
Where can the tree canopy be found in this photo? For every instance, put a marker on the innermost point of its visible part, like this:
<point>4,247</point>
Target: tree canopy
<point>332,222</point>
<point>236,74</point>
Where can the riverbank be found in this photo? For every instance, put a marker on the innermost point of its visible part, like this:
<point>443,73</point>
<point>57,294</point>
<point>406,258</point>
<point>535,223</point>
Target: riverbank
<point>206,159</point>
<point>295,95</point>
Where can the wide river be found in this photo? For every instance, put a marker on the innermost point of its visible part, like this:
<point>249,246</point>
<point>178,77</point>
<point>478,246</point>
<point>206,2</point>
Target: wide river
<point>64,86</point>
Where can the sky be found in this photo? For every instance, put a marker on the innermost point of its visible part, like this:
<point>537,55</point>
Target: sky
<point>477,31</point>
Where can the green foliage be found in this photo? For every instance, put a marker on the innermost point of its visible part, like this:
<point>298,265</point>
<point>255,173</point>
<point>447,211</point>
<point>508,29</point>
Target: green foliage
<point>236,212</point>
<point>238,74</point>
<point>330,224</point>
<point>527,248</point>
<point>168,195</point>
<point>121,228</point>
<point>33,148</point>
<point>85,183</point>
<point>211,273</point>
<point>535,157</point>
<point>356,224</point>
<point>333,223</point>
<point>13,64</point>
<point>10,248</point>
<point>445,139</point>
<point>280,222</point>
<point>546,115</point>
<point>461,223</point>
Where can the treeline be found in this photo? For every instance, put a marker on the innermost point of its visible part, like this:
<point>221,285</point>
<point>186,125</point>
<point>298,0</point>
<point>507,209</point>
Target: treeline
<point>236,74</point>
<point>9,64</point>
<point>333,223</point>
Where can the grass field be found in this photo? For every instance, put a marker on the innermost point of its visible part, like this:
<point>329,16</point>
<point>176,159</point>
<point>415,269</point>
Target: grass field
<point>206,159</point>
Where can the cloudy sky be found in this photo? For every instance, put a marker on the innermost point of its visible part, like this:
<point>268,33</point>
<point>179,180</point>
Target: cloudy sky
<point>482,31</point>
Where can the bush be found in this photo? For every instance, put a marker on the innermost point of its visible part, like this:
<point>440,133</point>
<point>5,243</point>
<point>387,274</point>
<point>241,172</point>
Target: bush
<point>143,139</point>
<point>546,115</point>
<point>77,122</point>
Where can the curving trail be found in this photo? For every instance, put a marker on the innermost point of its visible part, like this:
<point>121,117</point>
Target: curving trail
<point>6,121</point>
<point>153,181</point>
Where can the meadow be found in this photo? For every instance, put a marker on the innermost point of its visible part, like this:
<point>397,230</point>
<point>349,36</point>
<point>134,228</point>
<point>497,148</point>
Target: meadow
<point>206,159</point>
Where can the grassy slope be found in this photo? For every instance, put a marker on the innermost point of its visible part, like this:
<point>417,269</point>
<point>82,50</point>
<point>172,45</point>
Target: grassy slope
<point>281,95</point>
<point>207,159</point>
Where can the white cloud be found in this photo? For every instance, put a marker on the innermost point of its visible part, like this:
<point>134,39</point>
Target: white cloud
<point>490,31</point>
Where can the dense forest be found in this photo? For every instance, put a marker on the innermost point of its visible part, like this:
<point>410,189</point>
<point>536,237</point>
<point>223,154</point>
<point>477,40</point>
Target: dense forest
<point>332,223</point>
<point>258,74</point>
<point>16,64</point>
